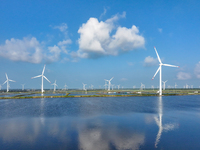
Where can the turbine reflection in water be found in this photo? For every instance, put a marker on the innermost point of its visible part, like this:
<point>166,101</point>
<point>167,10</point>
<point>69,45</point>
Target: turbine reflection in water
<point>158,120</point>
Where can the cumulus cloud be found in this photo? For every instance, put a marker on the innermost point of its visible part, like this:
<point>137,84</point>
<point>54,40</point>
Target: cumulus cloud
<point>96,39</point>
<point>150,61</point>
<point>183,76</point>
<point>28,50</point>
<point>197,70</point>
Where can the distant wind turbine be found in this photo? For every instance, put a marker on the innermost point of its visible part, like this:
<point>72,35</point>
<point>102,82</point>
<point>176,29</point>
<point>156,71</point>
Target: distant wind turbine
<point>7,81</point>
<point>84,86</point>
<point>142,86</point>
<point>175,85</point>
<point>118,86</point>
<point>65,86</point>
<point>160,69</point>
<point>109,83</point>
<point>22,87</point>
<point>164,84</point>
<point>42,75</point>
<point>54,86</point>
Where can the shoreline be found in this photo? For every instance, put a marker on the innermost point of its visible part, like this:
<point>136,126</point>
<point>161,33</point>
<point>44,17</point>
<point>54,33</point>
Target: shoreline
<point>82,96</point>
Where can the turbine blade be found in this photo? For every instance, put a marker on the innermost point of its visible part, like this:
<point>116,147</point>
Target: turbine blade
<point>36,76</point>
<point>156,73</point>
<point>43,70</point>
<point>11,80</point>
<point>170,65</point>
<point>157,55</point>
<point>46,79</point>
<point>5,82</point>
<point>111,78</point>
<point>6,76</point>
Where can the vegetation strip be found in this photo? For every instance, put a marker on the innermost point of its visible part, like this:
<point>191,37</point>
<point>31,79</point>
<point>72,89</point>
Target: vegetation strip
<point>76,96</point>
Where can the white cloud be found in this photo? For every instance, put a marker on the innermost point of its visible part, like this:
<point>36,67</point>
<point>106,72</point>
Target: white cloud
<point>96,39</point>
<point>104,12</point>
<point>160,30</point>
<point>63,27</point>
<point>64,42</point>
<point>197,70</point>
<point>183,76</point>
<point>28,50</point>
<point>150,61</point>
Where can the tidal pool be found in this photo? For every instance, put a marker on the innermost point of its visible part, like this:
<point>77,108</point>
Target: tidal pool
<point>101,123</point>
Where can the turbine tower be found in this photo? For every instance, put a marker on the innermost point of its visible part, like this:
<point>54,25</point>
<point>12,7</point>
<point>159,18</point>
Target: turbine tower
<point>54,86</point>
<point>109,83</point>
<point>42,75</point>
<point>160,69</point>
<point>164,84</point>
<point>7,81</point>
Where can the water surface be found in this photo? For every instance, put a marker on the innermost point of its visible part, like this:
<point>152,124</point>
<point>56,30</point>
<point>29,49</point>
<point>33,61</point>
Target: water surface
<point>169,122</point>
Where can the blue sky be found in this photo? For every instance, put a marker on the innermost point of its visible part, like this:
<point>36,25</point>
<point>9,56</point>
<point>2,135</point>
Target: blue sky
<point>89,41</point>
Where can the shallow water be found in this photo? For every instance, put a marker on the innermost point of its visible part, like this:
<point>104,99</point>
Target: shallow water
<point>169,122</point>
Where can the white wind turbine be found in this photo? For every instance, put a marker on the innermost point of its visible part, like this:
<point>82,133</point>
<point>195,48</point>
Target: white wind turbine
<point>54,86</point>
<point>65,86</point>
<point>109,83</point>
<point>84,86</point>
<point>118,86</point>
<point>164,84</point>
<point>175,85</point>
<point>7,81</point>
<point>160,69</point>
<point>42,75</point>
<point>22,87</point>
<point>142,86</point>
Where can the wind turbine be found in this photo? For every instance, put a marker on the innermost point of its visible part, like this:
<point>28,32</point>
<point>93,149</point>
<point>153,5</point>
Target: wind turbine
<point>118,86</point>
<point>22,87</point>
<point>65,86</point>
<point>54,86</point>
<point>112,86</point>
<point>7,81</point>
<point>142,86</point>
<point>42,75</point>
<point>91,86</point>
<point>160,69</point>
<point>109,83</point>
<point>175,85</point>
<point>84,86</point>
<point>164,84</point>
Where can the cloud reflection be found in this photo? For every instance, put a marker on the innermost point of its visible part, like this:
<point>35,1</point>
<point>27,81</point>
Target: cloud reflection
<point>107,136</point>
